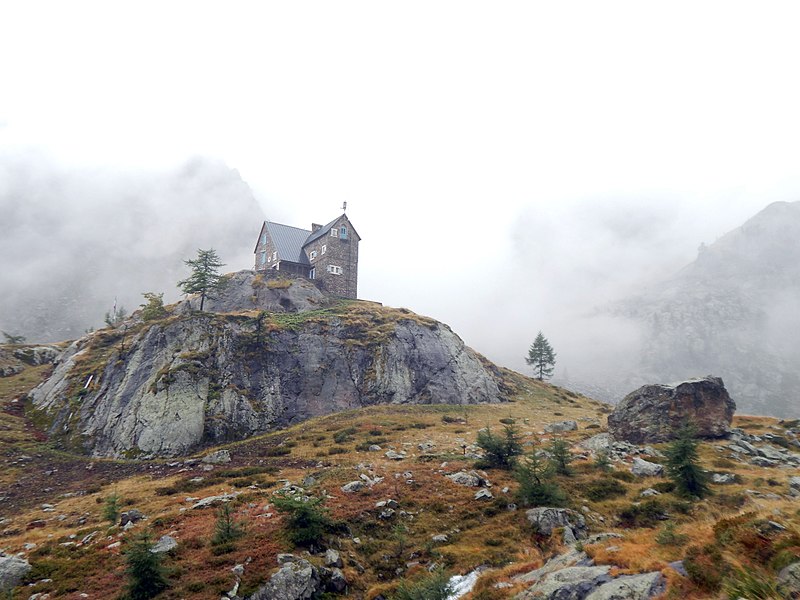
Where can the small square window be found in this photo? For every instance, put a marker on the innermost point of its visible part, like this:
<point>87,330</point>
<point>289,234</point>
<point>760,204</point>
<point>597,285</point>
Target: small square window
<point>313,255</point>
<point>335,232</point>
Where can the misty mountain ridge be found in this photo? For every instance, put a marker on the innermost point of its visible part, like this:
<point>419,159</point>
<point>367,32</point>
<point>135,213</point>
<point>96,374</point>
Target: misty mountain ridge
<point>74,241</point>
<point>731,312</point>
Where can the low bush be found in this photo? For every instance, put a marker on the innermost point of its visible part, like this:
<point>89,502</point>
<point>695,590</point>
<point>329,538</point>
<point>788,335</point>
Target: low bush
<point>646,514</point>
<point>603,489</point>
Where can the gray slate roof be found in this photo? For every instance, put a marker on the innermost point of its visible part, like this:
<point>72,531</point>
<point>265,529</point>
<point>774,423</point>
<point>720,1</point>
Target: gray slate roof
<point>289,242</point>
<point>324,230</point>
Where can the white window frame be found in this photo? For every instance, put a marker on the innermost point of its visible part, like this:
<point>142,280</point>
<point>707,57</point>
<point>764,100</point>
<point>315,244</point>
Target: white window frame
<point>313,255</point>
<point>335,232</point>
<point>275,255</point>
<point>334,269</point>
<point>324,248</point>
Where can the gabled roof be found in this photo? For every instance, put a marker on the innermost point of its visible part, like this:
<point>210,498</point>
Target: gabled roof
<point>326,229</point>
<point>288,241</point>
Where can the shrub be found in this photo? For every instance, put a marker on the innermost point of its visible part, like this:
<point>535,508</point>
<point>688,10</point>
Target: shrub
<point>507,421</point>
<point>500,451</point>
<point>343,436</point>
<point>745,584</point>
<point>306,522</point>
<point>435,586</point>
<point>602,461</point>
<point>706,567</point>
<point>145,572</point>
<point>668,536</point>
<point>603,489</point>
<point>154,308</point>
<point>646,514</point>
<point>625,476</point>
<point>536,485</point>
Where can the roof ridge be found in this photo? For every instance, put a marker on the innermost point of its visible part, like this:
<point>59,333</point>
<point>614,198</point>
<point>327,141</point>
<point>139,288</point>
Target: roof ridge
<point>283,225</point>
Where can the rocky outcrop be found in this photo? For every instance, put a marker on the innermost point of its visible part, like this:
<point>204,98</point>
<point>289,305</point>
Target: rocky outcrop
<point>12,570</point>
<point>654,413</point>
<point>196,379</point>
<point>546,519</point>
<point>643,468</point>
<point>295,580</point>
<point>789,581</point>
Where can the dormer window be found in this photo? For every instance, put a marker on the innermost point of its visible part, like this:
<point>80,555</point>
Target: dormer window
<point>335,232</point>
<point>343,233</point>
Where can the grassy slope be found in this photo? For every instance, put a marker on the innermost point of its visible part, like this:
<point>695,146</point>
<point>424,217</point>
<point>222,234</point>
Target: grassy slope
<point>479,532</point>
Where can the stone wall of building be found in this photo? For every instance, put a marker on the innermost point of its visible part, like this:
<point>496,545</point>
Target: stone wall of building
<point>336,261</point>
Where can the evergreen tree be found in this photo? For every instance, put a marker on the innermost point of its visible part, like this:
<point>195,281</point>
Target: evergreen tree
<point>205,278</point>
<point>306,522</point>
<point>115,316</point>
<point>145,572</point>
<point>154,308</point>
<point>227,529</point>
<point>683,465</point>
<point>111,509</point>
<point>541,357</point>
<point>536,485</point>
<point>560,457</point>
<point>500,451</point>
<point>13,339</point>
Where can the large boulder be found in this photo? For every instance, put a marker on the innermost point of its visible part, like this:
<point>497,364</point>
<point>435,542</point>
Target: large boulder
<point>654,413</point>
<point>571,583</point>
<point>12,570</point>
<point>546,519</point>
<point>296,580</point>
<point>789,580</point>
<point>633,587</point>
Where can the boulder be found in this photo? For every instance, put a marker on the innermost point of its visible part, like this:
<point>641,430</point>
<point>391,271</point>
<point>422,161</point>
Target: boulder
<point>545,519</point>
<point>643,468</point>
<point>353,486</point>
<point>794,486</point>
<point>469,479</point>
<point>654,413</point>
<point>789,581</point>
<point>723,478</point>
<point>561,427</point>
<point>567,584</point>
<point>483,494</point>
<point>164,544</point>
<point>130,516</point>
<point>12,570</point>
<point>333,559</point>
<point>297,580</point>
<point>220,457</point>
<point>633,587</point>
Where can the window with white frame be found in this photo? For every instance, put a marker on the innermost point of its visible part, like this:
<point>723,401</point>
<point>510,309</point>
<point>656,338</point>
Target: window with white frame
<point>313,255</point>
<point>335,232</point>
<point>334,270</point>
<point>324,248</point>
<point>312,273</point>
<point>274,256</point>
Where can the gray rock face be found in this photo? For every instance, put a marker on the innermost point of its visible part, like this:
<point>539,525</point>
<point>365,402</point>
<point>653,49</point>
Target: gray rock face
<point>634,587</point>
<point>643,468</point>
<point>794,486</point>
<point>789,580</point>
<point>12,570</point>
<point>544,520</point>
<point>201,379</point>
<point>469,479</point>
<point>297,580</point>
<point>653,413</point>
<point>571,583</point>
<point>164,544</point>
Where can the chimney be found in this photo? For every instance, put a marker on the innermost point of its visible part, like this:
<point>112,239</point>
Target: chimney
<point>315,227</point>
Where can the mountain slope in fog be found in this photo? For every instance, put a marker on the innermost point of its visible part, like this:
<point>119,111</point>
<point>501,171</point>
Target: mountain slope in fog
<point>72,241</point>
<point>732,312</point>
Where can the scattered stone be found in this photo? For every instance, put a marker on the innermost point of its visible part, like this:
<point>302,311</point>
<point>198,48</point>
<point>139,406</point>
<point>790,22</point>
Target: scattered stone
<point>561,427</point>
<point>283,558</point>
<point>12,570</point>
<point>333,559</point>
<point>386,514</point>
<point>650,492</point>
<point>375,448</point>
<point>220,457</point>
<point>440,538</point>
<point>654,413</point>
<point>392,455</point>
<point>544,520</point>
<point>469,479</point>
<point>130,516</point>
<point>643,468</point>
<point>164,544</point>
<point>353,486</point>
<point>212,500</point>
<point>114,545</point>
<point>723,478</point>
<point>794,486</point>
<point>297,580</point>
<point>483,494</point>
<point>631,587</point>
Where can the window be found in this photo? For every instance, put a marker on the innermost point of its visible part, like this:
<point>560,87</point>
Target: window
<point>343,233</point>
<point>324,248</point>
<point>274,256</point>
<point>312,273</point>
<point>313,255</point>
<point>264,239</point>
<point>333,269</point>
<point>263,258</point>
<point>334,232</point>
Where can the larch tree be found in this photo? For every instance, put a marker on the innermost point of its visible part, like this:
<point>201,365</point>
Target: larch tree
<point>205,278</point>
<point>541,357</point>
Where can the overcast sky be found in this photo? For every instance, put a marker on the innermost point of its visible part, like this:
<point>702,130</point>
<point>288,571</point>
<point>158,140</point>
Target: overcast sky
<point>507,164</point>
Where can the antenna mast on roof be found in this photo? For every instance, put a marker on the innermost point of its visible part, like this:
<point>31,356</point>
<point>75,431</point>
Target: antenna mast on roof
<point>344,206</point>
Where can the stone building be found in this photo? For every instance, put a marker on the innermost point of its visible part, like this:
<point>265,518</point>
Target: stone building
<point>328,254</point>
